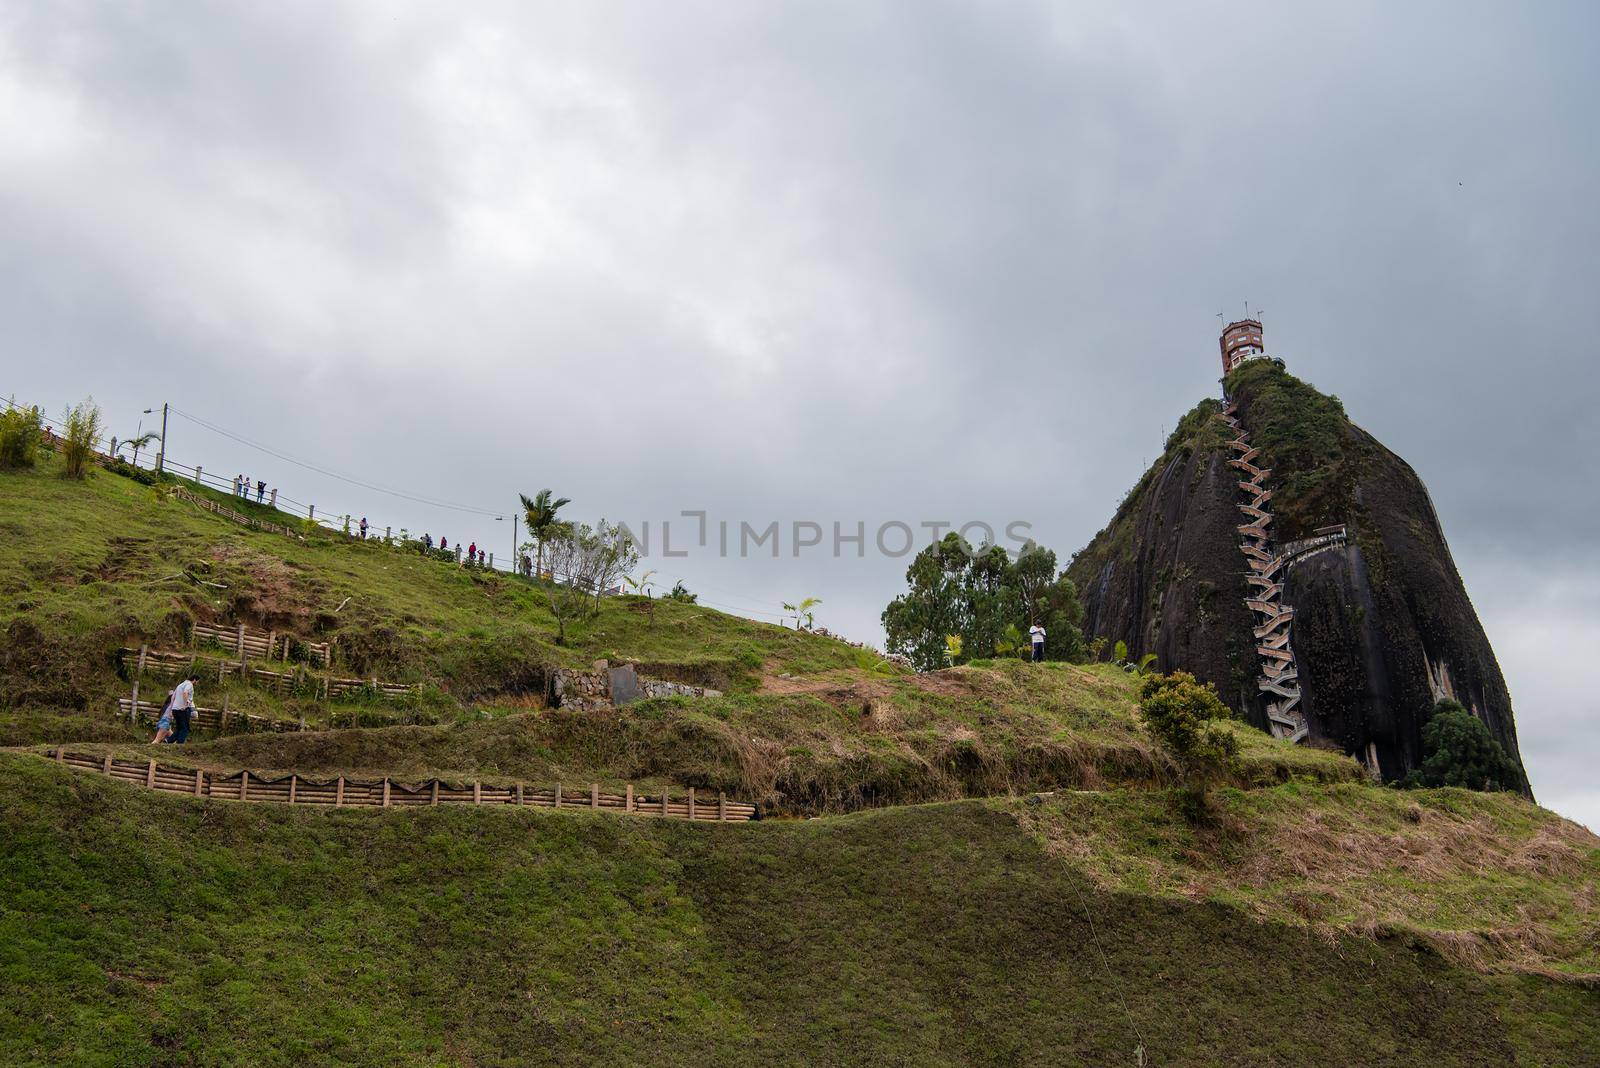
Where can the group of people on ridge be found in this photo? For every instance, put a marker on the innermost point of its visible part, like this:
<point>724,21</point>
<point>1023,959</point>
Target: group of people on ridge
<point>241,487</point>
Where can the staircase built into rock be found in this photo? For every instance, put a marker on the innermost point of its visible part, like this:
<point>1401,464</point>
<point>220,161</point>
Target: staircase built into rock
<point>1280,678</point>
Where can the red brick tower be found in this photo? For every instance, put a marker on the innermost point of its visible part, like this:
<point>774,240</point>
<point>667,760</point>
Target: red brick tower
<point>1240,341</point>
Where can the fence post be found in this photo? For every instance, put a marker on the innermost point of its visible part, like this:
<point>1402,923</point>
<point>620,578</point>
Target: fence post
<point>594,795</point>
<point>558,795</point>
<point>477,792</point>
<point>311,511</point>
<point>239,643</point>
<point>491,561</point>
<point>722,805</point>
<point>627,801</point>
<point>144,651</point>
<point>691,802</point>
<point>519,795</point>
<point>386,535</point>
<point>338,793</point>
<point>386,791</point>
<point>105,766</point>
<point>133,706</point>
<point>294,782</point>
<point>434,797</point>
<point>244,785</point>
<point>664,792</point>
<point>222,725</point>
<point>150,775</point>
<point>274,496</point>
<point>199,782</point>
<point>197,474</point>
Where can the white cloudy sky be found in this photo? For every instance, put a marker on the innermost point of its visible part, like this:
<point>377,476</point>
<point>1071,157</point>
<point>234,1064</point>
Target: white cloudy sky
<point>831,262</point>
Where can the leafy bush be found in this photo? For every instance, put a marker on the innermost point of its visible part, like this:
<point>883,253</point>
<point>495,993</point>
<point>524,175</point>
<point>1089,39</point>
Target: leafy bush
<point>1182,714</point>
<point>1458,750</point>
<point>19,437</point>
<point>681,593</point>
<point>82,431</point>
<point>127,470</point>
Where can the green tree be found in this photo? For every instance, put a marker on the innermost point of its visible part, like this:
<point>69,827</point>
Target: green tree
<point>987,599</point>
<point>20,431</point>
<point>140,442</point>
<point>1185,717</point>
<point>81,432</point>
<point>804,617</point>
<point>543,521</point>
<point>1458,750</point>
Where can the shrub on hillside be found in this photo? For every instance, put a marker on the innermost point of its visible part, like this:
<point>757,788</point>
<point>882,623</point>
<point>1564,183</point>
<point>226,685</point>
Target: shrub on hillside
<point>19,437</point>
<point>126,470</point>
<point>681,593</point>
<point>1183,715</point>
<point>1458,750</point>
<point>81,432</point>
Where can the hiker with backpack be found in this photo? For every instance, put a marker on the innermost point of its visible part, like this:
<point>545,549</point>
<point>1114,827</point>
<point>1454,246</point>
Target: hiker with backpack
<point>1036,634</point>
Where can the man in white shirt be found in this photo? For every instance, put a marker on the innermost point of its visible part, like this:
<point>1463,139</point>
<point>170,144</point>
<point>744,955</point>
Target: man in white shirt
<point>1036,635</point>
<point>182,710</point>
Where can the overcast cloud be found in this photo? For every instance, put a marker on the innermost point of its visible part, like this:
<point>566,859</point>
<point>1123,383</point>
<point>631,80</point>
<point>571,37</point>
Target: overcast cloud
<point>829,262</point>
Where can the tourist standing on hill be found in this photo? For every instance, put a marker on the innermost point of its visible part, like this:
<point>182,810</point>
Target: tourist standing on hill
<point>261,489</point>
<point>363,528</point>
<point>1036,635</point>
<point>472,554</point>
<point>182,710</point>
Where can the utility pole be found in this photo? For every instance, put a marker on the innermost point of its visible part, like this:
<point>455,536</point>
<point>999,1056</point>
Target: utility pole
<point>161,457</point>
<point>516,558</point>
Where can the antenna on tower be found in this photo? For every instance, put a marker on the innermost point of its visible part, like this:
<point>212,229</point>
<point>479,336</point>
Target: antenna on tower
<point>1247,309</point>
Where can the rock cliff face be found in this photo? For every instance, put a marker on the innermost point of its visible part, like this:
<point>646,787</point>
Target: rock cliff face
<point>1382,624</point>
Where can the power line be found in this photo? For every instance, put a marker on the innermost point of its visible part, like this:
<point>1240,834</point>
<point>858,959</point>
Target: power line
<point>469,509</point>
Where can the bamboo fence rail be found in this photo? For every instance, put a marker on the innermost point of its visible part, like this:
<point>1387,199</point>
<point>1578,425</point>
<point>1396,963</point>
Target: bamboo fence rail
<point>206,718</point>
<point>156,661</point>
<point>295,789</point>
<point>246,643</point>
<point>238,517</point>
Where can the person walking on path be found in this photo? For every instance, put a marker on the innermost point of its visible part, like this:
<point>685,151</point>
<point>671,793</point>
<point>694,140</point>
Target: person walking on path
<point>1036,635</point>
<point>164,722</point>
<point>182,710</point>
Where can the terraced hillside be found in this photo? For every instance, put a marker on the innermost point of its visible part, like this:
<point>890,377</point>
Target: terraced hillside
<point>89,568</point>
<point>975,866</point>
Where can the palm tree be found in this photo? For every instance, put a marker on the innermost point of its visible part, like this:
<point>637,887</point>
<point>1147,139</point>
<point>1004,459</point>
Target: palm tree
<point>542,521</point>
<point>140,442</point>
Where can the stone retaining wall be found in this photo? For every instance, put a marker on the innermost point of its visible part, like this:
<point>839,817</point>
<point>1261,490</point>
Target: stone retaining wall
<point>608,687</point>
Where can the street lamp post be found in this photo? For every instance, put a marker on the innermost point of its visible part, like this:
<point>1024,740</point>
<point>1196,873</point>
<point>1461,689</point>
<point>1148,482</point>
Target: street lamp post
<point>161,457</point>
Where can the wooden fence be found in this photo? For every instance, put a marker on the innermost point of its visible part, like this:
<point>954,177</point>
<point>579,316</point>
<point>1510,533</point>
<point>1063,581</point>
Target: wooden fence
<point>156,661</point>
<point>228,513</point>
<point>247,644</point>
<point>295,789</point>
<point>205,718</point>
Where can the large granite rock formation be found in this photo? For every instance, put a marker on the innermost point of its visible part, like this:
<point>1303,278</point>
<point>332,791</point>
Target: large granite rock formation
<point>1382,626</point>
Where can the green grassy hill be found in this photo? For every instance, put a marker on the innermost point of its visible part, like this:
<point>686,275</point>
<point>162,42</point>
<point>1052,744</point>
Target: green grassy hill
<point>89,567</point>
<point>976,866</point>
